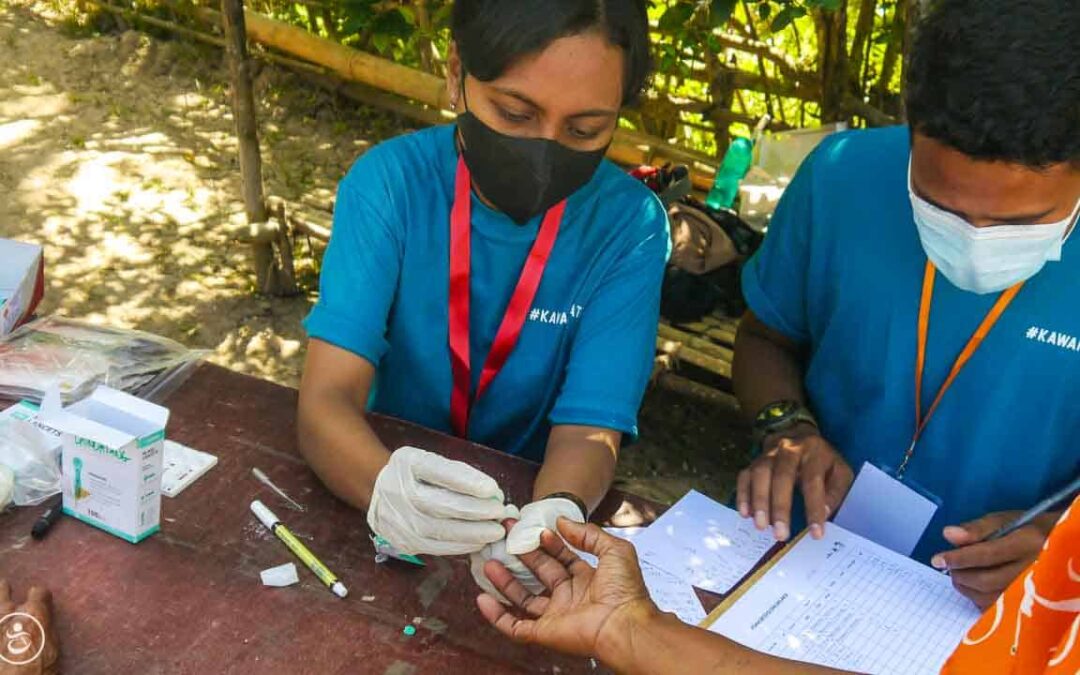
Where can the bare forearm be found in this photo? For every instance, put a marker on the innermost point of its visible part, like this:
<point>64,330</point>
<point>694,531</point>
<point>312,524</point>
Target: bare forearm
<point>765,371</point>
<point>340,446</point>
<point>661,644</point>
<point>581,461</point>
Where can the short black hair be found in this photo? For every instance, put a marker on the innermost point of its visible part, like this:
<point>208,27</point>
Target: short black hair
<point>999,79</point>
<point>492,34</point>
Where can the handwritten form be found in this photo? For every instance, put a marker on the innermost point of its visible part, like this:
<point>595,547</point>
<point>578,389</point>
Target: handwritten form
<point>846,602</point>
<point>670,593</point>
<point>703,543</point>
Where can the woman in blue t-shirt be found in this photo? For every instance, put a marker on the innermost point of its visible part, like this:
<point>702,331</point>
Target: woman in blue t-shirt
<point>497,279</point>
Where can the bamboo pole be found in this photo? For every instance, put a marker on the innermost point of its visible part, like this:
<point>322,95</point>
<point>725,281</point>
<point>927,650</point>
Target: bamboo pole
<point>720,335</point>
<point>629,147</point>
<point>680,351</point>
<point>706,347</point>
<point>311,224</point>
<point>696,390</point>
<point>311,229</point>
<point>243,99</point>
<point>132,15</point>
<point>349,64</point>
<point>284,242</point>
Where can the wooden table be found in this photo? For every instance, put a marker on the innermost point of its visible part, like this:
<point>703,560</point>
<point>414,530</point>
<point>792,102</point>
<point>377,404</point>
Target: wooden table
<point>189,600</point>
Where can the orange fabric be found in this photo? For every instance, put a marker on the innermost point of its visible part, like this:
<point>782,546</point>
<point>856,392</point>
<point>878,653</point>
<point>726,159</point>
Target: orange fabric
<point>1035,625</point>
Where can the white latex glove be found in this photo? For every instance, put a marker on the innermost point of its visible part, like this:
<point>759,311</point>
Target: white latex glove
<point>497,551</point>
<point>426,504</point>
<point>537,517</point>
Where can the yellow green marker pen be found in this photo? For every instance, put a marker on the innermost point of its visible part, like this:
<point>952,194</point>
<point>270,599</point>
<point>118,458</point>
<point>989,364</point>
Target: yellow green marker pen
<point>267,517</point>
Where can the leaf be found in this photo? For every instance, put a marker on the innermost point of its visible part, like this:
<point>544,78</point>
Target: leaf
<point>829,5</point>
<point>381,42</point>
<point>358,14</point>
<point>676,16</point>
<point>441,17</point>
<point>785,17</point>
<point>409,14</point>
<point>764,11</point>
<point>720,11</point>
<point>354,24</point>
<point>392,24</point>
<point>667,59</point>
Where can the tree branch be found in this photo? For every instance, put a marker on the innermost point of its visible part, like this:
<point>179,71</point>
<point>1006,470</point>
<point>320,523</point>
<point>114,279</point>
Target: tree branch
<point>864,25</point>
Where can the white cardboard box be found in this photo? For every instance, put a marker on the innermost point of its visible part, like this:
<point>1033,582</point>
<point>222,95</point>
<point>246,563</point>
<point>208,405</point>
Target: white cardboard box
<point>25,411</point>
<point>21,282</point>
<point>113,450</point>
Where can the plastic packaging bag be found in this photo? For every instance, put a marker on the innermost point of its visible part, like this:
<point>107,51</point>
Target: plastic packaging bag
<point>25,450</point>
<point>7,486</point>
<point>75,357</point>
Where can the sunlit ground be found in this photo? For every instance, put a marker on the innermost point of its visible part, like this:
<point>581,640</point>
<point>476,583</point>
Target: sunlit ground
<point>117,153</point>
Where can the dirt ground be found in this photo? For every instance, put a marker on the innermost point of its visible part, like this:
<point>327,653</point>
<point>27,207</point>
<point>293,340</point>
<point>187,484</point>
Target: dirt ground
<point>117,153</point>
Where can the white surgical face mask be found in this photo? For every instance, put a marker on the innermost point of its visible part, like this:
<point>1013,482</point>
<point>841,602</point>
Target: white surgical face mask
<point>986,259</point>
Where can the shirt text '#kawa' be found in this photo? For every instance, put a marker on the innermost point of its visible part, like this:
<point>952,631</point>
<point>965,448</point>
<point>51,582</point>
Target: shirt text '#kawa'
<point>1062,340</point>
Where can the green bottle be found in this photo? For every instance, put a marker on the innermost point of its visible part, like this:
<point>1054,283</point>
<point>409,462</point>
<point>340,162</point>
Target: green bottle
<point>737,161</point>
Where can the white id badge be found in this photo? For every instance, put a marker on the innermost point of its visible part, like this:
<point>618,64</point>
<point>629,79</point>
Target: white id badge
<point>885,510</point>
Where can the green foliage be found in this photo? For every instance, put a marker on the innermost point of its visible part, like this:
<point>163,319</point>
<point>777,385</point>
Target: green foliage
<point>720,12</point>
<point>675,16</point>
<point>785,17</point>
<point>697,45</point>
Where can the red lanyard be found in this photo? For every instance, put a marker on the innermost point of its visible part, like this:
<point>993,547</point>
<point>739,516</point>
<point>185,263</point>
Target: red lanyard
<point>516,311</point>
<point>972,346</point>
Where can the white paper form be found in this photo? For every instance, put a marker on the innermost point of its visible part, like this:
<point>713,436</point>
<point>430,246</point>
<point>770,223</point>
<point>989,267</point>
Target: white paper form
<point>846,602</point>
<point>704,543</point>
<point>670,593</point>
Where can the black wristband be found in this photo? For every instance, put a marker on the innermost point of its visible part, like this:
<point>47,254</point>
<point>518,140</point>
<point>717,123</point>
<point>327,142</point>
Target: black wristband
<point>571,497</point>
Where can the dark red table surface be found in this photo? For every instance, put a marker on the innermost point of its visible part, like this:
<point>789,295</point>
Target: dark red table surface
<point>189,599</point>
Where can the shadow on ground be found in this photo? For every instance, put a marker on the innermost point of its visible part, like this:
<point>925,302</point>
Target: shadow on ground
<point>117,153</point>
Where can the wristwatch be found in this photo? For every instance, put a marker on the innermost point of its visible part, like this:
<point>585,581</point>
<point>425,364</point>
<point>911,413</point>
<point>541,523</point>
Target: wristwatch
<point>781,416</point>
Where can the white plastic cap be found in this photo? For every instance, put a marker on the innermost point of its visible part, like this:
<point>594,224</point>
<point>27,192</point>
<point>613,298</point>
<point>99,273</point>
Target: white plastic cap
<point>265,515</point>
<point>282,575</point>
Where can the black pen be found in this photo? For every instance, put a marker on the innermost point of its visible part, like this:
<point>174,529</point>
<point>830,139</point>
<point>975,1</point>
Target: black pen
<point>51,515</point>
<point>1037,510</point>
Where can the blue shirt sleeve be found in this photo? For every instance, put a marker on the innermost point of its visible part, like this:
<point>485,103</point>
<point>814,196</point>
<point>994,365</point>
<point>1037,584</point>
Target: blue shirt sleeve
<point>360,269</point>
<point>774,281</point>
<point>611,358</point>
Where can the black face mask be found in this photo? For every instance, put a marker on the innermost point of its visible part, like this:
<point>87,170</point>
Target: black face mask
<point>523,177</point>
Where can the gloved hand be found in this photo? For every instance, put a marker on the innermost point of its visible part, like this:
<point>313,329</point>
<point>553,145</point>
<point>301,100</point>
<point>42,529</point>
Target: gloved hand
<point>497,551</point>
<point>539,516</point>
<point>426,504</point>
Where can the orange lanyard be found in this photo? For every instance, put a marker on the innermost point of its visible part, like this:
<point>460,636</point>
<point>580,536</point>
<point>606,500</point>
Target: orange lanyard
<point>972,346</point>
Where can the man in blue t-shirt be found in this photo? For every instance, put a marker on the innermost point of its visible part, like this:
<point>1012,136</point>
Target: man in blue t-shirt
<point>916,305</point>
